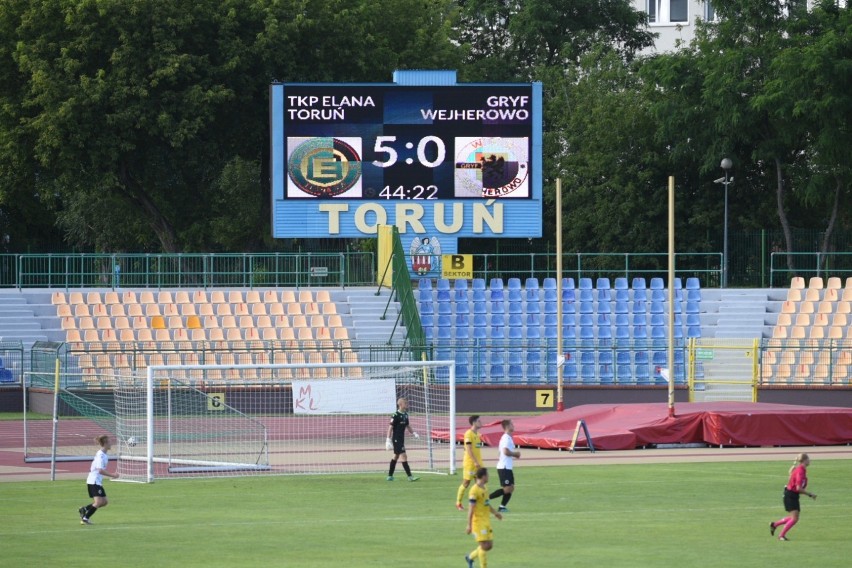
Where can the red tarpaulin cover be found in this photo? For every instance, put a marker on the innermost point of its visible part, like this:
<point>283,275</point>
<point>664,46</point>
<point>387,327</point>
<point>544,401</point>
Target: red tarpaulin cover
<point>629,426</point>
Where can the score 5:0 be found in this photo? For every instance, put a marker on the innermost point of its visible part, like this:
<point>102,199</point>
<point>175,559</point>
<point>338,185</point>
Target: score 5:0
<point>383,146</point>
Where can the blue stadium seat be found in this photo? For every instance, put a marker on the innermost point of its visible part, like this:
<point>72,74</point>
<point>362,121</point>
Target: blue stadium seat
<point>569,372</point>
<point>693,284</point>
<point>533,307</point>
<point>497,357</point>
<point>602,283</point>
<point>443,295</point>
<point>640,295</point>
<point>427,320</point>
<point>533,332</point>
<point>463,307</point>
<point>498,307</point>
<point>550,295</point>
<point>445,321</point>
<point>568,295</point>
<point>604,307</point>
<point>640,332</point>
<point>445,333</point>
<point>622,332</point>
<point>424,295</point>
<point>568,284</point>
<point>478,284</point>
<point>657,308</point>
<point>678,356</point>
<point>498,373</point>
<point>460,294</point>
<point>514,284</point>
<point>428,332</point>
<point>480,308</point>
<point>587,320</point>
<point>680,375</point>
<point>495,284</point>
<point>622,295</point>
<point>640,319</point>
<point>569,308</point>
<point>622,308</point>
<point>638,284</point>
<point>692,308</point>
<point>677,332</point>
<point>516,320</point>
<point>659,358</point>
<point>587,308</point>
<point>516,373</point>
<point>424,284</point>
<point>550,332</point>
<point>479,296</point>
<point>587,373</point>
<point>622,320</point>
<point>460,284</point>
<point>693,331</point>
<point>443,284</point>
<point>569,332</point>
<point>462,332</point>
<point>603,296</point>
<point>658,296</point>
<point>497,332</point>
<point>693,319</point>
<point>586,284</point>
<point>496,295</point>
<point>533,320</point>
<point>550,283</point>
<point>462,373</point>
<point>515,332</point>
<point>480,320</point>
<point>532,295</point>
<point>624,373</point>
<point>693,295</point>
<point>587,295</point>
<point>605,357</point>
<point>621,283</point>
<point>587,336</point>
<point>605,374</point>
<point>515,295</point>
<point>426,308</point>
<point>480,332</point>
<point>462,320</point>
<point>657,284</point>
<point>516,308</point>
<point>604,319</point>
<point>497,320</point>
<point>622,357</point>
<point>640,358</point>
<point>605,336</point>
<point>568,319</point>
<point>443,354</point>
<point>640,307</point>
<point>642,375</point>
<point>531,284</point>
<point>678,307</point>
<point>445,308</point>
<point>678,284</point>
<point>587,357</point>
<point>658,319</point>
<point>550,307</point>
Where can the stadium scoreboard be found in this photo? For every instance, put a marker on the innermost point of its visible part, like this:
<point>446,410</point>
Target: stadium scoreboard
<point>440,162</point>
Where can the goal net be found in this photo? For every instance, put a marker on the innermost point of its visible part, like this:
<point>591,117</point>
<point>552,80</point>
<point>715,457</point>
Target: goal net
<point>320,418</point>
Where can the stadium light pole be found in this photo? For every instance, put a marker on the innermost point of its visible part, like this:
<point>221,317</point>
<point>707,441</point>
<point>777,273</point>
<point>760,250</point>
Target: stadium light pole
<point>726,165</point>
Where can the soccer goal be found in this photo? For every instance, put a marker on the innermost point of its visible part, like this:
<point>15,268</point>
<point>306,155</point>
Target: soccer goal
<point>320,418</point>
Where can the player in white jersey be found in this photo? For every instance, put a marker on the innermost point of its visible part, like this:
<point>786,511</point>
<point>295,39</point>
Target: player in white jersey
<point>97,471</point>
<point>508,453</point>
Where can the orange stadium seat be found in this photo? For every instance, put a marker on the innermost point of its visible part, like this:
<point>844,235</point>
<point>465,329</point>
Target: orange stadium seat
<point>815,282</point>
<point>797,282</point>
<point>299,321</point>
<point>294,309</point>
<point>129,297</point>
<point>206,310</point>
<point>158,322</point>
<point>135,310</point>
<point>329,309</point>
<point>199,297</point>
<point>830,295</point>
<point>217,297</point>
<point>93,298</point>
<point>270,296</point>
<point>258,309</point>
<point>794,295</point>
<point>175,322</point>
<point>64,311</point>
<point>188,310</point>
<point>223,310</point>
<point>127,336</point>
<point>311,309</point>
<point>305,297</point>
<point>235,297</point>
<point>269,334</point>
<point>86,323</point>
<point>323,296</point>
<point>812,295</point>
<point>241,309</point>
<point>288,297</point>
<point>806,307</point>
<point>193,322</point>
<point>228,322</point>
<point>76,298</point>
<point>82,310</point>
<point>277,309</point>
<point>58,298</point>
<point>122,323</point>
<point>182,297</point>
<point>111,298</point>
<point>281,321</point>
<point>139,322</point>
<point>117,310</point>
<point>146,297</point>
<point>252,297</point>
<point>803,320</point>
<point>152,310</point>
<point>164,297</point>
<point>170,310</point>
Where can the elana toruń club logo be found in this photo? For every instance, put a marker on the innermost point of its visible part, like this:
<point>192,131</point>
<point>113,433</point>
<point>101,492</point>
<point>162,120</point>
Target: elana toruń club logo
<point>324,167</point>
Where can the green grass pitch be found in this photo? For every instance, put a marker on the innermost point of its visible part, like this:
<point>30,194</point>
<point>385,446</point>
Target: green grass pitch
<point>656,515</point>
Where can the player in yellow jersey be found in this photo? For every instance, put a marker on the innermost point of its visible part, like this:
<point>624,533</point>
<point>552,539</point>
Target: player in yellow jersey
<point>479,520</point>
<point>472,457</point>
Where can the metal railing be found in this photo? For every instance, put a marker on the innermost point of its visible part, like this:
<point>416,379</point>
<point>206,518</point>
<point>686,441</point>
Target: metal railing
<point>188,270</point>
<point>808,264</point>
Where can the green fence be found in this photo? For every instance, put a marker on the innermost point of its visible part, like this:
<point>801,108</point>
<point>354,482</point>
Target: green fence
<point>807,265</point>
<point>187,270</point>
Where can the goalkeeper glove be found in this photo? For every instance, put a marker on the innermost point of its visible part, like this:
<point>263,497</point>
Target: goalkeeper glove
<point>416,435</point>
<point>388,444</point>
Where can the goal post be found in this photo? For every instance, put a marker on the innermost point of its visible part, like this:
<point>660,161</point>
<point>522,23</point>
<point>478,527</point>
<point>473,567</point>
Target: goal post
<point>294,418</point>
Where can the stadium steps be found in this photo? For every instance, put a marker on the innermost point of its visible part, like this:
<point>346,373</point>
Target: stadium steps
<point>366,310</point>
<point>18,320</point>
<point>742,313</point>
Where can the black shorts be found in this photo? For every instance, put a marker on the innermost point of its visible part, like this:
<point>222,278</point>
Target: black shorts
<point>507,477</point>
<point>96,491</point>
<point>791,500</point>
<point>398,446</point>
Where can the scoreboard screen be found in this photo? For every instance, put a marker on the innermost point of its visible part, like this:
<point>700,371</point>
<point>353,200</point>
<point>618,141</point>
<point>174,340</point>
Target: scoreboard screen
<point>391,144</point>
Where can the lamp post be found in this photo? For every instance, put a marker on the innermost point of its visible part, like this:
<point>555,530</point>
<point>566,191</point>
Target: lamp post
<point>726,164</point>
